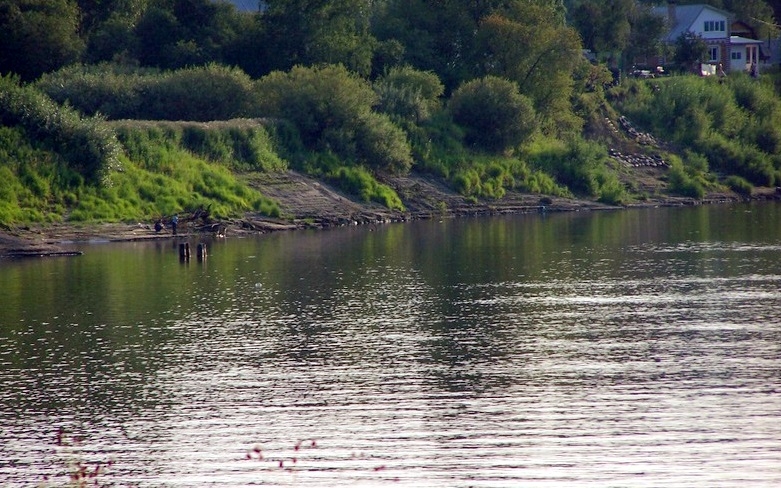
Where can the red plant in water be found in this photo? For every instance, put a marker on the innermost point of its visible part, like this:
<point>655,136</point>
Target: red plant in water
<point>257,453</point>
<point>81,472</point>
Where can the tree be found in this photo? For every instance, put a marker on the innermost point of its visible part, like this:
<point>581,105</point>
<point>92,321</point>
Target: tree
<point>181,33</point>
<point>603,26</point>
<point>540,55</point>
<point>310,32</point>
<point>493,113</point>
<point>646,33</point>
<point>38,36</point>
<point>690,49</point>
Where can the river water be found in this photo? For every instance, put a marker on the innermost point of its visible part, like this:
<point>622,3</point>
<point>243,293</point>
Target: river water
<point>631,348</point>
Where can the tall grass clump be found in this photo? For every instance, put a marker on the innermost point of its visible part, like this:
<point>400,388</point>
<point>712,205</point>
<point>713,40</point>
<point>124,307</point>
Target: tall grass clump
<point>88,145</point>
<point>35,184</point>
<point>241,144</point>
<point>359,181</point>
<point>579,165</point>
<point>682,181</point>
<point>179,178</point>
<point>739,185</point>
<point>491,176</point>
<point>189,183</point>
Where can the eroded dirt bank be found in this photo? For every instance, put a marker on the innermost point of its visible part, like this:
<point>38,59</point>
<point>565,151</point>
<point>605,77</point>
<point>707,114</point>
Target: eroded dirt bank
<point>310,203</point>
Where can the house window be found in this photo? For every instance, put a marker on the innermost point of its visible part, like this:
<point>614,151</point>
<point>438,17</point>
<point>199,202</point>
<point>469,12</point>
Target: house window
<point>736,55</point>
<point>713,53</point>
<point>715,26</point>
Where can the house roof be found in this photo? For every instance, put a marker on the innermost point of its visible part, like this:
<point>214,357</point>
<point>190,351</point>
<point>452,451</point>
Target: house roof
<point>737,40</point>
<point>243,5</point>
<point>685,16</point>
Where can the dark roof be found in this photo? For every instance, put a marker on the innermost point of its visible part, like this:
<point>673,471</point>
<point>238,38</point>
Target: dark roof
<point>244,5</point>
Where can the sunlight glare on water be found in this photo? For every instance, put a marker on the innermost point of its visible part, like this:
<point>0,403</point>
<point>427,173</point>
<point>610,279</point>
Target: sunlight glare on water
<point>489,353</point>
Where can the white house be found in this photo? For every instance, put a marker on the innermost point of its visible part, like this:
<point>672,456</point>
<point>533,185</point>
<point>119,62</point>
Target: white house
<point>713,25</point>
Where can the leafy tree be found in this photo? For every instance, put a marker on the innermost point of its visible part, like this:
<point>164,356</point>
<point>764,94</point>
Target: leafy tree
<point>539,55</point>
<point>603,26</point>
<point>436,36</point>
<point>494,115</point>
<point>113,40</point>
<point>178,33</point>
<point>38,36</point>
<point>309,32</point>
<point>690,49</point>
<point>96,12</point>
<point>646,32</point>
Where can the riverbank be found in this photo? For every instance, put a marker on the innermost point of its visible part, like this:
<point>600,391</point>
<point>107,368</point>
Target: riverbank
<point>308,203</point>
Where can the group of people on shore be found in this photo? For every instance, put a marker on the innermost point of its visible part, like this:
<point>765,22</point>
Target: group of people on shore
<point>160,225</point>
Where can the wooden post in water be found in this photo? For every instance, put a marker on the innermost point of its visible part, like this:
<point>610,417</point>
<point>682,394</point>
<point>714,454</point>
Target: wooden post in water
<point>201,251</point>
<point>184,251</point>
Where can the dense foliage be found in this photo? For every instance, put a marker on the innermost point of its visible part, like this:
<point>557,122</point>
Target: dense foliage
<point>734,126</point>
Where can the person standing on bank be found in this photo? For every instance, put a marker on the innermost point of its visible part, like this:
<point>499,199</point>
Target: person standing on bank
<point>174,221</point>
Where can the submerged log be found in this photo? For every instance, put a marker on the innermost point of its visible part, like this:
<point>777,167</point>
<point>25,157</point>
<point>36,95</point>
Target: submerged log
<point>184,251</point>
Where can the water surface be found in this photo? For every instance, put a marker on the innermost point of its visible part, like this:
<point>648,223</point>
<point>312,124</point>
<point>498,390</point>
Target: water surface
<point>632,348</point>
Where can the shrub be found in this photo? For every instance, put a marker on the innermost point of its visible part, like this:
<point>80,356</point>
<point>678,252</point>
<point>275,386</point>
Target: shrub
<point>88,144</point>
<point>491,177</point>
<point>212,92</point>
<point>203,93</point>
<point>331,109</point>
<point>383,145</point>
<point>681,183</point>
<point>409,94</point>
<point>576,163</point>
<point>734,125</point>
<point>493,113</point>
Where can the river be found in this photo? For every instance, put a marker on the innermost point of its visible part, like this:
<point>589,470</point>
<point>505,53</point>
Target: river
<point>631,348</point>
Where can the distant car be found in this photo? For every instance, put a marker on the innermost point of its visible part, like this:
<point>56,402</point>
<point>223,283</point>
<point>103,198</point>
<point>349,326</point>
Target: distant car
<point>647,73</point>
<point>642,73</point>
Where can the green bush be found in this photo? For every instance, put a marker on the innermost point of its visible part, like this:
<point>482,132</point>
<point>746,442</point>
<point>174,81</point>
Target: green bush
<point>332,111</point>
<point>88,144</point>
<point>493,113</point>
<point>580,165</point>
<point>682,183</point>
<point>241,144</point>
<point>409,94</point>
<point>204,93</point>
<point>212,92</point>
<point>383,145</point>
<point>113,91</point>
